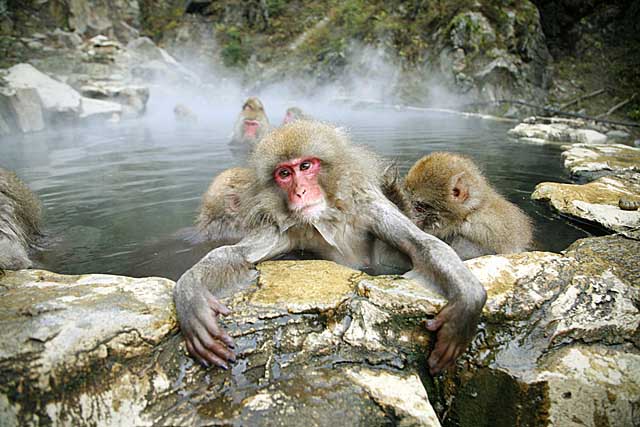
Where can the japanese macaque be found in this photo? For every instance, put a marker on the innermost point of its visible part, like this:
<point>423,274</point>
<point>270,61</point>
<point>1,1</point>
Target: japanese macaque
<point>20,217</point>
<point>183,113</point>
<point>251,125</point>
<point>294,113</point>
<point>219,218</point>
<point>452,200</point>
<point>315,191</point>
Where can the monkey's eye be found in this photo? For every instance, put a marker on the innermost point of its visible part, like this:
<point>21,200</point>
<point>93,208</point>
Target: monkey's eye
<point>421,207</point>
<point>284,173</point>
<point>305,165</point>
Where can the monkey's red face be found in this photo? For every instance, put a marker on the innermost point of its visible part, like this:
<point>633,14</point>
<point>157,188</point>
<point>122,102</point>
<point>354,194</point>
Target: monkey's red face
<point>251,128</point>
<point>299,179</point>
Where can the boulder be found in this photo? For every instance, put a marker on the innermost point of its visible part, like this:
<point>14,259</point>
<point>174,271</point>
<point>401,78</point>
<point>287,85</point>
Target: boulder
<point>597,201</point>
<point>20,110</point>
<point>60,101</point>
<point>589,161</point>
<point>95,108</point>
<point>556,133</point>
<point>558,345</point>
<point>103,350</point>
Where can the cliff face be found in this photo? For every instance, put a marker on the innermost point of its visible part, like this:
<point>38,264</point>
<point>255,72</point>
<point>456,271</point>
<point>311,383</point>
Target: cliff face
<point>475,50</point>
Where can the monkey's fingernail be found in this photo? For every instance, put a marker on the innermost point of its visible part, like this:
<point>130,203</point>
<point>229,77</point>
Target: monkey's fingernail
<point>205,363</point>
<point>224,366</point>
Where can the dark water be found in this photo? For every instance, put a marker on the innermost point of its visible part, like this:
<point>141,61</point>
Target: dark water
<point>120,199</point>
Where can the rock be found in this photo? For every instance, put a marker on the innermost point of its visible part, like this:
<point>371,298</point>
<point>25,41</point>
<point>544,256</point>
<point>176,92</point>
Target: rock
<point>21,110</point>
<point>597,160</point>
<point>20,220</point>
<point>567,354</point>
<point>93,108</point>
<point>132,97</point>
<point>103,350</point>
<point>618,134</point>
<point>597,201</point>
<point>60,101</point>
<point>557,133</point>
<point>67,39</point>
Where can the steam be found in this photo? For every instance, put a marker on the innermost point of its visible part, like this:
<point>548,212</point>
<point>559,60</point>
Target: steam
<point>373,79</point>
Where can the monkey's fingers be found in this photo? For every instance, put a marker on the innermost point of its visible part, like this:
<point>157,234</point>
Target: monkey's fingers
<point>218,332</point>
<point>443,356</point>
<point>213,345</point>
<point>208,356</point>
<point>434,324</point>
<point>217,306</point>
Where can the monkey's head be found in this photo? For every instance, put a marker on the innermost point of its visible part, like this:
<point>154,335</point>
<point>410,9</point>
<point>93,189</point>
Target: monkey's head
<point>293,114</point>
<point>444,186</point>
<point>253,117</point>
<point>306,169</point>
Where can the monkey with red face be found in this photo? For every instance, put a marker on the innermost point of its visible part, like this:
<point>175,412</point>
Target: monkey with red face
<point>251,125</point>
<point>293,114</point>
<point>316,191</point>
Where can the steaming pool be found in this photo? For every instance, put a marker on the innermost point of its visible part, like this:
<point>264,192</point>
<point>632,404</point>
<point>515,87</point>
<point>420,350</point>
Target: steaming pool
<point>120,199</point>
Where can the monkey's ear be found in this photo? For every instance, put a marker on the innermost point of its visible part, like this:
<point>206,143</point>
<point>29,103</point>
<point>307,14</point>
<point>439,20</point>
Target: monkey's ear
<point>232,202</point>
<point>459,188</point>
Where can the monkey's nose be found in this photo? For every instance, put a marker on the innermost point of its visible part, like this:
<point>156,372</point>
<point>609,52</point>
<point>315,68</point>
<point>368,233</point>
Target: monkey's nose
<point>301,192</point>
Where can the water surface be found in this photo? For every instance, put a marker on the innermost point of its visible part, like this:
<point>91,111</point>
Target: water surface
<point>121,198</point>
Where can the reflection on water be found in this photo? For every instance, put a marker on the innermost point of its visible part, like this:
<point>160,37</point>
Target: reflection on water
<point>121,199</point>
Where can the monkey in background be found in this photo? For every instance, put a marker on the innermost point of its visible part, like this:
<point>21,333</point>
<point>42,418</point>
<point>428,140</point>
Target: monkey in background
<point>20,220</point>
<point>182,113</point>
<point>293,114</point>
<point>219,218</point>
<point>251,125</point>
<point>315,191</point>
<point>452,200</point>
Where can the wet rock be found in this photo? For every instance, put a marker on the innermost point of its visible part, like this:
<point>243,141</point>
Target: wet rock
<point>590,161</point>
<point>20,221</point>
<point>597,201</point>
<point>60,101</point>
<point>132,97</point>
<point>20,110</point>
<point>556,133</point>
<point>103,350</point>
<point>618,135</point>
<point>95,108</point>
<point>67,39</point>
<point>569,352</point>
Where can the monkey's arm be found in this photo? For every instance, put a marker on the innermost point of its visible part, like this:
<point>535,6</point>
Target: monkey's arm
<point>221,272</point>
<point>435,263</point>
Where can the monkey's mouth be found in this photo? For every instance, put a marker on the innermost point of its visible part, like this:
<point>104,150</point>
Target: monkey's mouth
<point>311,210</point>
<point>251,127</point>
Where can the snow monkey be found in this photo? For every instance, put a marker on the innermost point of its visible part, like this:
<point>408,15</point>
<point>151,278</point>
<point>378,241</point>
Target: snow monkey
<point>251,125</point>
<point>294,113</point>
<point>20,217</point>
<point>219,218</point>
<point>316,191</point>
<point>452,200</point>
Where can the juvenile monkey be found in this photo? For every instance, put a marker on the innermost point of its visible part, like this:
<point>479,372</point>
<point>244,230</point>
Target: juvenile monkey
<point>20,217</point>
<point>251,125</point>
<point>294,113</point>
<point>452,200</point>
<point>183,113</point>
<point>315,191</point>
<point>219,218</point>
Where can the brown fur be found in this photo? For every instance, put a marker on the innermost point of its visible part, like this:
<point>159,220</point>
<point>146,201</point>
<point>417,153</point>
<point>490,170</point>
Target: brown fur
<point>252,109</point>
<point>20,220</point>
<point>219,218</point>
<point>484,218</point>
<point>296,114</point>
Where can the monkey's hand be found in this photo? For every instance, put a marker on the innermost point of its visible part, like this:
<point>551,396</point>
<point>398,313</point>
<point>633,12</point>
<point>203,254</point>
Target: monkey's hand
<point>223,271</point>
<point>198,313</point>
<point>455,326</point>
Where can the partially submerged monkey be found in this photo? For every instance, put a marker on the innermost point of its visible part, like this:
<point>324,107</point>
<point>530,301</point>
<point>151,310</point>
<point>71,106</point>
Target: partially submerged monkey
<point>219,218</point>
<point>452,200</point>
<point>251,125</point>
<point>20,218</point>
<point>293,114</point>
<point>316,191</point>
